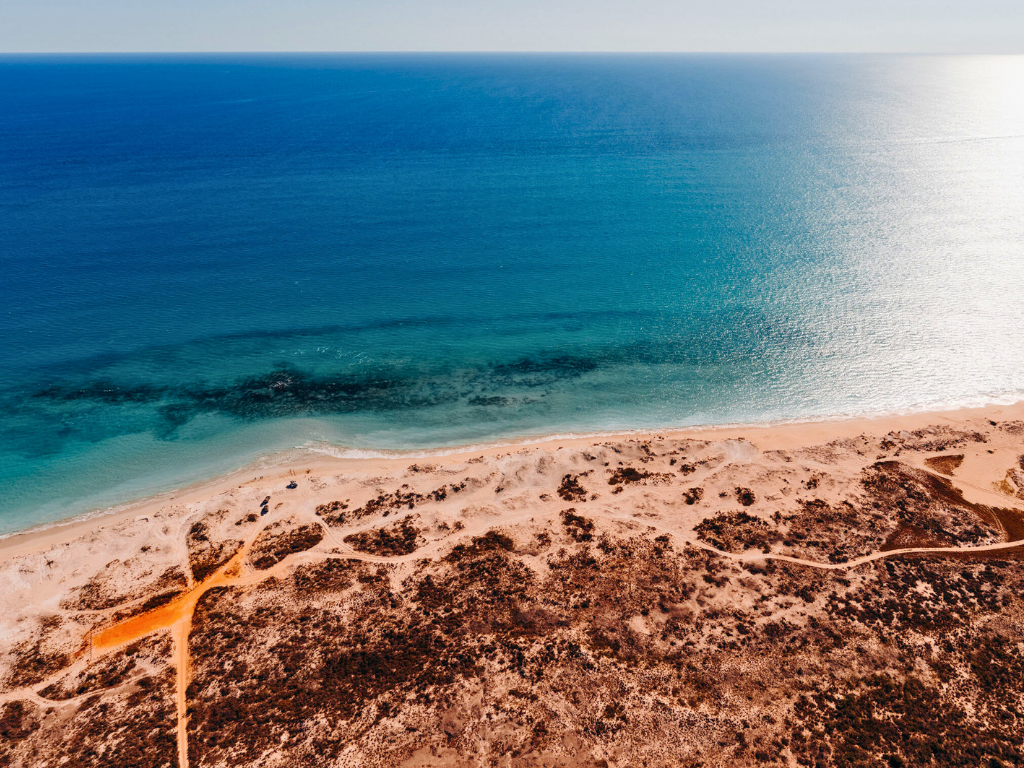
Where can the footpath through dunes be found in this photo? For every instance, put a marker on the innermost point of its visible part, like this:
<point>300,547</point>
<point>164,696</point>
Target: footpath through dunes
<point>109,638</point>
<point>556,604</point>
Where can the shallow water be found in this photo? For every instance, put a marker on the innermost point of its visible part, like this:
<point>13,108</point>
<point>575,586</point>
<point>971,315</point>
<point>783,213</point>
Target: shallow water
<point>209,259</point>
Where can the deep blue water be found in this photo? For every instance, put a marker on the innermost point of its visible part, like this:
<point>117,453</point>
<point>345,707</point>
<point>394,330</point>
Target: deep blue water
<point>210,259</point>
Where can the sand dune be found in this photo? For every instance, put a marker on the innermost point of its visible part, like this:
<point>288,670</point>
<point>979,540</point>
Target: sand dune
<point>626,548</point>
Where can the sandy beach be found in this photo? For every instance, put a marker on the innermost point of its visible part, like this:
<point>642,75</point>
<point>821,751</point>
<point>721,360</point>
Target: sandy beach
<point>113,609</point>
<point>977,476</point>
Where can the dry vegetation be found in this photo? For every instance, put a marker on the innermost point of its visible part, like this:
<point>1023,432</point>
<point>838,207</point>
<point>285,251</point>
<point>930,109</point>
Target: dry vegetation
<point>278,541</point>
<point>204,555</point>
<point>469,624</point>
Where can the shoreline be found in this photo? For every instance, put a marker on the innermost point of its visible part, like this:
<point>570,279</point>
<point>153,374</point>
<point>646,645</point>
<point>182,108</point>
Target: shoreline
<point>664,546</point>
<point>782,435</point>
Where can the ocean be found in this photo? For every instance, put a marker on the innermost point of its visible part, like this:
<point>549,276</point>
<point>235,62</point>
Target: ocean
<point>210,260</point>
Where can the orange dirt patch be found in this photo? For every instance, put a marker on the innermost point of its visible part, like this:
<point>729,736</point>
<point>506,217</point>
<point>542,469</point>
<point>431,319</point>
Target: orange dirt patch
<point>164,617</point>
<point>142,625</point>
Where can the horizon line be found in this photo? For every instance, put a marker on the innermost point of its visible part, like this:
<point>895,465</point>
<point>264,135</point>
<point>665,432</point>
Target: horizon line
<point>428,52</point>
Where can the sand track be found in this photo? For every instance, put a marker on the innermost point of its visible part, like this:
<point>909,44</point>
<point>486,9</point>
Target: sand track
<point>176,616</point>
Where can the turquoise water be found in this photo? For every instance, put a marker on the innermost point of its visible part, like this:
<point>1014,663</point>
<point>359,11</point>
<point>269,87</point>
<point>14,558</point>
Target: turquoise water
<point>208,260</point>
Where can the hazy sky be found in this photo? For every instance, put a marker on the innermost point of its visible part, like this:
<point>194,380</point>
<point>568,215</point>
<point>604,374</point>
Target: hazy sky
<point>984,26</point>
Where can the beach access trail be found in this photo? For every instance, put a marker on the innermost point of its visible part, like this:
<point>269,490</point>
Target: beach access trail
<point>176,616</point>
<point>719,461</point>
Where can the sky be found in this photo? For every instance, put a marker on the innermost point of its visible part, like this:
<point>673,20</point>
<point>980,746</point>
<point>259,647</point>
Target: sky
<point>912,26</point>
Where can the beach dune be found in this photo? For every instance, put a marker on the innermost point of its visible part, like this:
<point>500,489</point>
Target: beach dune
<point>542,603</point>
